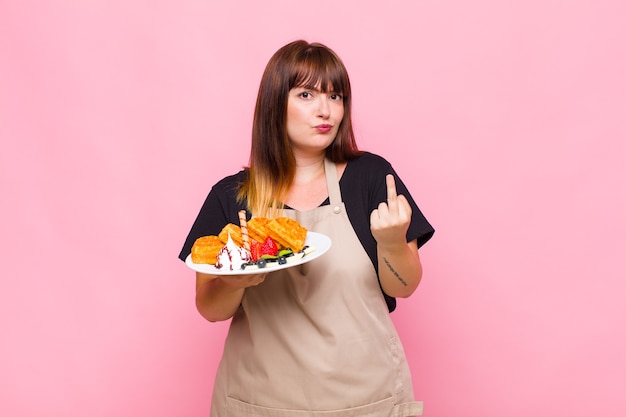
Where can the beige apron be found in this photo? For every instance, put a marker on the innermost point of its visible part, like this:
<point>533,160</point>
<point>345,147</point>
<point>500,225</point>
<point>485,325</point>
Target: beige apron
<point>317,336</point>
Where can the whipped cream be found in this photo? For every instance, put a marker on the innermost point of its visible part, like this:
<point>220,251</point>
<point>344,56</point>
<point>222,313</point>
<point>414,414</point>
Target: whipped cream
<point>232,256</point>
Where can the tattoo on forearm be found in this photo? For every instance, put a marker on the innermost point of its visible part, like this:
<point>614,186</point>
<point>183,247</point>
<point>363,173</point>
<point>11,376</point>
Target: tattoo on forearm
<point>394,272</point>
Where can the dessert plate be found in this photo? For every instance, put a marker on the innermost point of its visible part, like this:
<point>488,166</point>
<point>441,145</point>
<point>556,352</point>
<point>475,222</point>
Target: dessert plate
<point>318,245</point>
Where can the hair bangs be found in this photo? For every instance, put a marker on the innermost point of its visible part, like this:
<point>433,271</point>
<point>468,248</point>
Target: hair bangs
<point>320,69</point>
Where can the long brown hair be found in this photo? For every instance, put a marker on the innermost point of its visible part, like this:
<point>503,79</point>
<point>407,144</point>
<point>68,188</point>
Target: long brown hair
<point>272,163</point>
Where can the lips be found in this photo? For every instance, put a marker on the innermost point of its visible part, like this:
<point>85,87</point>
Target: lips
<point>324,128</point>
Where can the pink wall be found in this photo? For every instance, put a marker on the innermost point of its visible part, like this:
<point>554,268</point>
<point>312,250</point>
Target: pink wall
<point>117,116</point>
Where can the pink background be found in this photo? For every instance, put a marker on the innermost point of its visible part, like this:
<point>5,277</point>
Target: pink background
<point>505,118</point>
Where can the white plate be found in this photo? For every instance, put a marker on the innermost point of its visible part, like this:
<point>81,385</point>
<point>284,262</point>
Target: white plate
<point>317,242</point>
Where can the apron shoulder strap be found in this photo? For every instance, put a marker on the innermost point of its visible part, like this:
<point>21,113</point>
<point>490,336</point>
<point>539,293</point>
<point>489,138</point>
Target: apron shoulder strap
<point>334,193</point>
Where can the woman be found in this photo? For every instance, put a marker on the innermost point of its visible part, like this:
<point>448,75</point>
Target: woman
<point>316,337</point>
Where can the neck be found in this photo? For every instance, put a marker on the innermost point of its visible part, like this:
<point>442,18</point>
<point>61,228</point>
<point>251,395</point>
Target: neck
<point>308,170</point>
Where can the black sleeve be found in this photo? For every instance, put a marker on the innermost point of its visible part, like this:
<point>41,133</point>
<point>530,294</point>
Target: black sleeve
<point>220,208</point>
<point>419,228</point>
<point>363,188</point>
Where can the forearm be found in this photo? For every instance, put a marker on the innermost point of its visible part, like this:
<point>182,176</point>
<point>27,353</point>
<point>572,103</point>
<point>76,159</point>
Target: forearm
<point>399,269</point>
<point>216,300</point>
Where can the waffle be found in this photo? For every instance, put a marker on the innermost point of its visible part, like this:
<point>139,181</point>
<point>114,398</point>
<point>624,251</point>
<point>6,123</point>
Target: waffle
<point>257,228</point>
<point>235,234</point>
<point>287,232</point>
<point>205,250</point>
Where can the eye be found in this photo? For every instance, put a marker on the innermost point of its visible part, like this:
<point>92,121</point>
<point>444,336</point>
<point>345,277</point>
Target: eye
<point>336,97</point>
<point>305,94</point>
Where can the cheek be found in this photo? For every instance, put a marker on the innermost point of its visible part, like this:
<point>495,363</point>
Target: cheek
<point>293,124</point>
<point>339,112</point>
<point>291,118</point>
<point>294,114</point>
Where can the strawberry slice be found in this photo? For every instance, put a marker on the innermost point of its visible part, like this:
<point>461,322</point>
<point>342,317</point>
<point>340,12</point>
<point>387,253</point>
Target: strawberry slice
<point>269,247</point>
<point>255,250</point>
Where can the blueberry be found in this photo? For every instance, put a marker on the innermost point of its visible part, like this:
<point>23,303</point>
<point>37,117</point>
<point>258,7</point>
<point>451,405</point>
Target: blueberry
<point>261,263</point>
<point>282,260</point>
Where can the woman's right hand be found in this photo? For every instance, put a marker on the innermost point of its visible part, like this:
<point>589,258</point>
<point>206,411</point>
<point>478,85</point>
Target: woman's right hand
<point>242,281</point>
<point>219,297</point>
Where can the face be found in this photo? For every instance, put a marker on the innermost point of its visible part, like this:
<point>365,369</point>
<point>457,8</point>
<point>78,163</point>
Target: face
<point>313,119</point>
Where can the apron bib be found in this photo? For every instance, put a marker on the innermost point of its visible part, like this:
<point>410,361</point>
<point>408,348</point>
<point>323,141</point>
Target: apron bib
<point>317,336</point>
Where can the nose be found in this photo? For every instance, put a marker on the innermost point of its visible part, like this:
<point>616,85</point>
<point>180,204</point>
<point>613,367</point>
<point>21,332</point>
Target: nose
<point>324,107</point>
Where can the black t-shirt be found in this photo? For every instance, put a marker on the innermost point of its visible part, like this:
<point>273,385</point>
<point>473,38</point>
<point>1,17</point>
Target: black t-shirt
<point>363,188</point>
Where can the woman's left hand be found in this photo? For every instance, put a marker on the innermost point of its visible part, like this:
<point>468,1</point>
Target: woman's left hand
<point>400,269</point>
<point>390,221</point>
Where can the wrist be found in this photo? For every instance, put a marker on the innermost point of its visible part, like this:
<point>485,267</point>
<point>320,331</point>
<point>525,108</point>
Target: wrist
<point>392,247</point>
